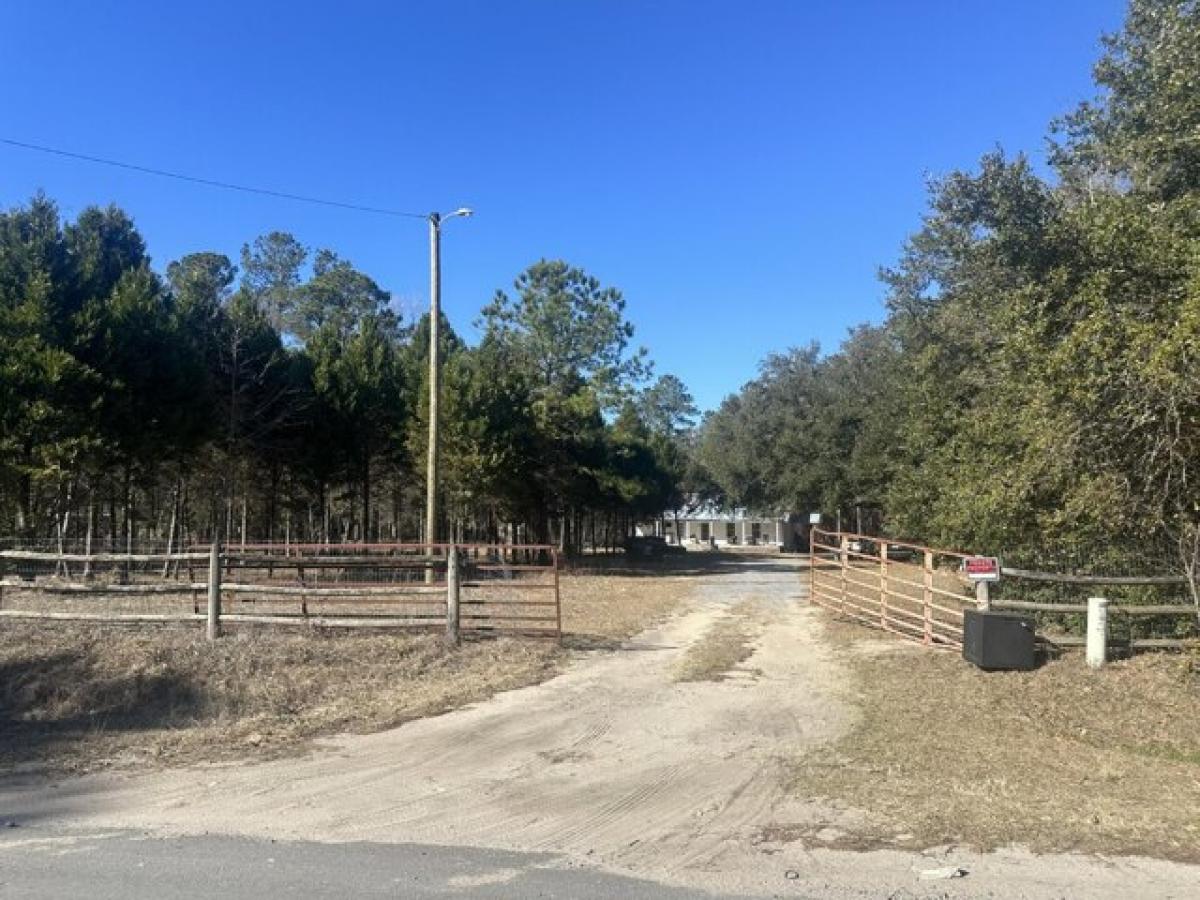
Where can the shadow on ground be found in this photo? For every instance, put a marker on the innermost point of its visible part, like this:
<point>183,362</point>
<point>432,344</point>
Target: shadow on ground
<point>697,563</point>
<point>48,700</point>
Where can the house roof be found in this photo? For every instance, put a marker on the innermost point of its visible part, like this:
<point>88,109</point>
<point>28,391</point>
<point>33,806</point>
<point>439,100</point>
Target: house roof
<point>711,513</point>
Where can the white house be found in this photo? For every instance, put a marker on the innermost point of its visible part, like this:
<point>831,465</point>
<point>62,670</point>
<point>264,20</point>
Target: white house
<point>735,528</point>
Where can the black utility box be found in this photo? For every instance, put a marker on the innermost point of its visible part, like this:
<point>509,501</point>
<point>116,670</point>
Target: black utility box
<point>994,640</point>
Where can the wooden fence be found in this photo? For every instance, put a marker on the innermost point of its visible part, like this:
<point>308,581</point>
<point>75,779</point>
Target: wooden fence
<point>919,593</point>
<point>1022,582</point>
<point>472,588</point>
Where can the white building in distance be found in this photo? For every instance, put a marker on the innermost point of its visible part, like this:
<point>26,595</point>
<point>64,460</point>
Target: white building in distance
<point>709,526</point>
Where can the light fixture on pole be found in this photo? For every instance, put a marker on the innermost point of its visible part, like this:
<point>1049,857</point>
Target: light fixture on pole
<point>435,374</point>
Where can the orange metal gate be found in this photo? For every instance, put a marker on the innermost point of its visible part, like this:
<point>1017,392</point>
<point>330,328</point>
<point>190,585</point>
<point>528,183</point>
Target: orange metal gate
<point>916,592</point>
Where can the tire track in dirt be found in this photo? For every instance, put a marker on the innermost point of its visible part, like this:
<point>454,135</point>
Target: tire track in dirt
<point>612,762</point>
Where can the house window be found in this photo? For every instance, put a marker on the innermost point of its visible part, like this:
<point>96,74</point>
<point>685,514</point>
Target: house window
<point>756,531</point>
<point>730,532</point>
<point>704,531</point>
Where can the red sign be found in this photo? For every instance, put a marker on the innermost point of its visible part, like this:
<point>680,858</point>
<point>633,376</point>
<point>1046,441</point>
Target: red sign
<point>982,568</point>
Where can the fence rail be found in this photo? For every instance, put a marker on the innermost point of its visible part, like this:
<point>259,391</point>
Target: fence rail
<point>921,596</point>
<point>916,596</point>
<point>1104,580</point>
<point>473,588</point>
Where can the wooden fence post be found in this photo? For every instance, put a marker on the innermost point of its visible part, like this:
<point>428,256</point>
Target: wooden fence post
<point>927,599</point>
<point>452,596</point>
<point>883,585</point>
<point>557,597</point>
<point>812,566</point>
<point>214,591</point>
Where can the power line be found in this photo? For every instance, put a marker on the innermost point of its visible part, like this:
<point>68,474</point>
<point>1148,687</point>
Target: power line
<point>208,182</point>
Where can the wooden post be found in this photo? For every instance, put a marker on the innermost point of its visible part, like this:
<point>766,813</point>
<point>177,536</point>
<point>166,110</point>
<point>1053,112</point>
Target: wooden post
<point>452,596</point>
<point>557,599</point>
<point>883,584</point>
<point>214,591</point>
<point>812,566</point>
<point>1097,632</point>
<point>927,599</point>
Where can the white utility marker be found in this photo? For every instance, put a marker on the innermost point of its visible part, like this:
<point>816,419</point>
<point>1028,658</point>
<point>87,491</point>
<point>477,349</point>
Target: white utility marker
<point>1097,632</point>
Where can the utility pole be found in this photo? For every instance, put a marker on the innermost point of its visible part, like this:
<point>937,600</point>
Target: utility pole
<point>435,377</point>
<point>435,374</point>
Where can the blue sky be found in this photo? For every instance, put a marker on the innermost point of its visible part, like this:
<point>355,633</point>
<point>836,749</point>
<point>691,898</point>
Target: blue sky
<point>740,169</point>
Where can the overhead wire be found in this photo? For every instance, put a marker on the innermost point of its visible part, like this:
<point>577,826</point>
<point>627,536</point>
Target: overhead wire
<point>210,182</point>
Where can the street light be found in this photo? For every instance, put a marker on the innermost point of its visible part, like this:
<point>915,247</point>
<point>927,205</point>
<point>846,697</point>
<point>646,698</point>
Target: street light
<point>435,374</point>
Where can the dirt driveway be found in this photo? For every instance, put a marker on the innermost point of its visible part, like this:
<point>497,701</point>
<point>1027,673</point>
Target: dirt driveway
<point>616,763</point>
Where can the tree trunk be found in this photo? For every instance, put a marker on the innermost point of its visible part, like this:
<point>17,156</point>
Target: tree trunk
<point>127,508</point>
<point>366,496</point>
<point>91,528</point>
<point>171,528</point>
<point>273,502</point>
<point>324,513</point>
<point>63,522</point>
<point>113,532</point>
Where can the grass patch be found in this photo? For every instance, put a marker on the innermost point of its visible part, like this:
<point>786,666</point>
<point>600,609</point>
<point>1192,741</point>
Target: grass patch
<point>726,643</point>
<point>600,611</point>
<point>1062,758</point>
<point>76,697</point>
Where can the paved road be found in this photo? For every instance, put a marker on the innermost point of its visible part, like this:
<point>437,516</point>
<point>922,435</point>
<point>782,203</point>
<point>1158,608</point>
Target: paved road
<point>38,863</point>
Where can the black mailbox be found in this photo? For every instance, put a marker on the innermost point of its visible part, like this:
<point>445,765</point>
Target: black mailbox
<point>994,640</point>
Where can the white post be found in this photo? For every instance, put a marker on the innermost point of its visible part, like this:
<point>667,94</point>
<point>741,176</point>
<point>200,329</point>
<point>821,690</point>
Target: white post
<point>883,585</point>
<point>927,599</point>
<point>843,562</point>
<point>982,597</point>
<point>1097,632</point>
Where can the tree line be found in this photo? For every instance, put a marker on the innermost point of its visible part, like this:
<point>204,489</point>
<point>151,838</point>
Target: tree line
<point>1036,382</point>
<point>283,398</point>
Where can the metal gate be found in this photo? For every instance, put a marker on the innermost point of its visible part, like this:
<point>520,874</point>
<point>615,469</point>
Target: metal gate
<point>916,592</point>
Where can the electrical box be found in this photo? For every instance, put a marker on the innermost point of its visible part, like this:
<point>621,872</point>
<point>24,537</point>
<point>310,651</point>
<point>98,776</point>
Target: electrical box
<point>993,640</point>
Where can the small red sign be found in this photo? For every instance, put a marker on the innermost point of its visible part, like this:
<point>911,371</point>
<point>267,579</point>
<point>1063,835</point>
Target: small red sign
<point>982,568</point>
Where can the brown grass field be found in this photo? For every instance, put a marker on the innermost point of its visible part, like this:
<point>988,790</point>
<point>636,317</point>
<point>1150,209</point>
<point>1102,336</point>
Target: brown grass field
<point>76,697</point>
<point>1061,758</point>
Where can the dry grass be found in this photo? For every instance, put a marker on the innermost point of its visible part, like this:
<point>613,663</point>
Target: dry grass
<point>602,610</point>
<point>727,643</point>
<point>1062,758</point>
<point>75,697</point>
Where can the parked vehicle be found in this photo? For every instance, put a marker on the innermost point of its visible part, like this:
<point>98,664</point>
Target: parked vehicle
<point>649,546</point>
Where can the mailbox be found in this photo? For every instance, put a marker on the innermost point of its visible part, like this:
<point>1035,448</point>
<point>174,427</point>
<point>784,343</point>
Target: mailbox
<point>993,640</point>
